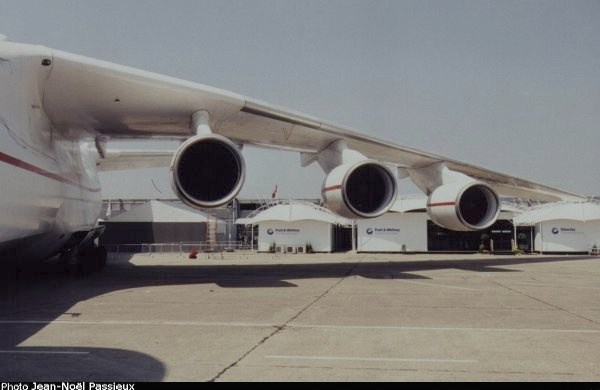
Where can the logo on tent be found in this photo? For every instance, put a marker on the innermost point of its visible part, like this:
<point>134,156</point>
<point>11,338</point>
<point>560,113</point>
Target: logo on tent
<point>555,230</point>
<point>369,231</point>
<point>270,232</point>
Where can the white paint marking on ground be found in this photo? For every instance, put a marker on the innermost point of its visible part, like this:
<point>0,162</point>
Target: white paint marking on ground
<point>150,323</point>
<point>532,285</point>
<point>367,359</point>
<point>438,285</point>
<point>418,328</point>
<point>307,326</point>
<point>45,352</point>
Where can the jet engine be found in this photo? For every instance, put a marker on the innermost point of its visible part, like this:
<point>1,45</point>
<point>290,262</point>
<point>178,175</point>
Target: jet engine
<point>366,189</point>
<point>464,206</point>
<point>208,171</point>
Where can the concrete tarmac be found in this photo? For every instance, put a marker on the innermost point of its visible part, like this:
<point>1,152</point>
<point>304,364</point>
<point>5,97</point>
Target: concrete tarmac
<point>319,317</point>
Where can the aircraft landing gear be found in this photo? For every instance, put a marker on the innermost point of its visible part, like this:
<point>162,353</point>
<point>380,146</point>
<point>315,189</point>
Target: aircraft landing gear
<point>84,261</point>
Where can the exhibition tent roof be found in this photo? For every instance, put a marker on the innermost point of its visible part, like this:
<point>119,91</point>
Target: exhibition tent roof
<point>409,203</point>
<point>582,211</point>
<point>294,211</point>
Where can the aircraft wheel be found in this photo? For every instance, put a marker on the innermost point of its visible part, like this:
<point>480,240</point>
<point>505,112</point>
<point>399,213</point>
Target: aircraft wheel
<point>81,262</point>
<point>93,260</point>
<point>100,255</point>
<point>71,262</point>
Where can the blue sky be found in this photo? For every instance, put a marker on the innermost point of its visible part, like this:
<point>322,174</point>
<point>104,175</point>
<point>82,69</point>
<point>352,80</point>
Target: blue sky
<point>513,86</point>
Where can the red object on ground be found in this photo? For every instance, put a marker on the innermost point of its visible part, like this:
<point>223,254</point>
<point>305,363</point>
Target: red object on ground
<point>193,254</point>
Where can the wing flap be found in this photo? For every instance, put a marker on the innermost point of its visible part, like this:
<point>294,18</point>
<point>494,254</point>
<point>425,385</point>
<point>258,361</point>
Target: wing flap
<point>120,159</point>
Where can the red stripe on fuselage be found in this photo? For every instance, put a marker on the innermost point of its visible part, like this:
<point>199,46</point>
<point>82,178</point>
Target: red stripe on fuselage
<point>42,172</point>
<point>441,204</point>
<point>332,188</point>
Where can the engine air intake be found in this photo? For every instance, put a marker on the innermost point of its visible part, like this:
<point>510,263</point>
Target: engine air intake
<point>363,190</point>
<point>464,206</point>
<point>208,171</point>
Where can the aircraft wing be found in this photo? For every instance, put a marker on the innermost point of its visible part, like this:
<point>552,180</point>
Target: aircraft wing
<point>116,101</point>
<point>270,126</point>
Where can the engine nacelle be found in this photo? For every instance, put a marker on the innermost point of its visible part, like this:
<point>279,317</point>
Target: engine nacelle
<point>208,171</point>
<point>464,206</point>
<point>365,189</point>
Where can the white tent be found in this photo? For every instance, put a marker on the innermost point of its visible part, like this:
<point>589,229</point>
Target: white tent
<point>563,226</point>
<point>584,211</point>
<point>293,223</point>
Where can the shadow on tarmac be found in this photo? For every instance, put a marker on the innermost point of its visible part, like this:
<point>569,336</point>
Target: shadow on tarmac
<point>65,364</point>
<point>39,296</point>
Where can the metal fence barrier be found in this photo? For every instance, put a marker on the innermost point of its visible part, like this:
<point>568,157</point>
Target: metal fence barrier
<point>181,248</point>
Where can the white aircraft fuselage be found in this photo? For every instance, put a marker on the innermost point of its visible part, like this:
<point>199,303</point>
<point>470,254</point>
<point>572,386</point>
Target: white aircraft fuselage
<point>50,188</point>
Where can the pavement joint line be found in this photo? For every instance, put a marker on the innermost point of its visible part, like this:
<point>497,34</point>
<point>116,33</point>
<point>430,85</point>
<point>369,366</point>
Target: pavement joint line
<point>287,325</point>
<point>280,328</point>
